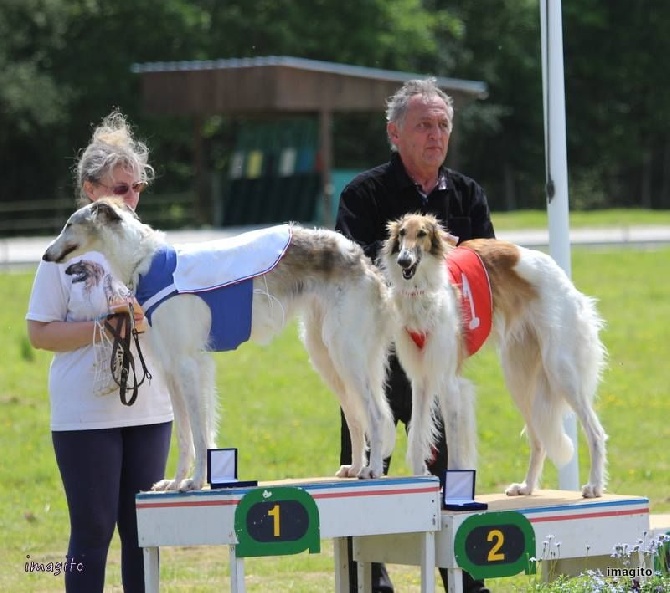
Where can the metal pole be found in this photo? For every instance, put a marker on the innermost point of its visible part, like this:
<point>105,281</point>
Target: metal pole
<point>325,140</point>
<point>557,175</point>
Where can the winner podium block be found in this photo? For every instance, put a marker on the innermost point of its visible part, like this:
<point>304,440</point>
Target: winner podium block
<point>569,532</point>
<point>274,519</point>
<point>394,520</point>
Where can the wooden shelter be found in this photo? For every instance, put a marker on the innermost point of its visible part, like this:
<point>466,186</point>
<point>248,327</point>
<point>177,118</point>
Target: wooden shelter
<point>272,86</point>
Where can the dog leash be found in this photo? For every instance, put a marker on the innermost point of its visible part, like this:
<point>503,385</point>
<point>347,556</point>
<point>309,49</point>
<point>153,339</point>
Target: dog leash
<point>123,334</point>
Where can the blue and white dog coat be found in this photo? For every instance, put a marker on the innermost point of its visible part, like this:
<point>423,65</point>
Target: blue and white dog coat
<point>221,273</point>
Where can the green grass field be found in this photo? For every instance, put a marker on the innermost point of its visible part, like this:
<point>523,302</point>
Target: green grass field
<point>286,425</point>
<point>537,219</point>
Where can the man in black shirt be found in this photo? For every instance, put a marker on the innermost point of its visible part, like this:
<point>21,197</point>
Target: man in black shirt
<point>419,123</point>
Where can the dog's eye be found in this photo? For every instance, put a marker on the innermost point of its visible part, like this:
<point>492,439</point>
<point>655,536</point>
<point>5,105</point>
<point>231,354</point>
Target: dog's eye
<point>402,232</point>
<point>421,233</point>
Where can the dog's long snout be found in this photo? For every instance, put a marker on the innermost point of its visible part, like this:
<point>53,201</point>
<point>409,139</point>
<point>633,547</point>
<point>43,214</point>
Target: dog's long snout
<point>57,255</point>
<point>408,260</point>
<point>49,254</point>
<point>405,259</point>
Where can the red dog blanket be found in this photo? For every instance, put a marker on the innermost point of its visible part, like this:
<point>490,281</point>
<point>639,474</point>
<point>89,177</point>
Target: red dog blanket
<point>467,272</point>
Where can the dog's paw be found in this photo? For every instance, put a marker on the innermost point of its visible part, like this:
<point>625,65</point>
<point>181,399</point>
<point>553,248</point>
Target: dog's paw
<point>190,484</point>
<point>518,490</point>
<point>591,491</point>
<point>347,471</point>
<point>164,486</point>
<point>370,473</point>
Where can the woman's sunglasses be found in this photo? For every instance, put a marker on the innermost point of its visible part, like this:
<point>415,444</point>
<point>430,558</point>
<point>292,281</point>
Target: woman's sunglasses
<point>121,189</point>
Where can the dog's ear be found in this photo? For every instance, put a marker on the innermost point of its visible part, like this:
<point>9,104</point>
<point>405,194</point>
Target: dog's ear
<point>392,244</point>
<point>436,244</point>
<point>449,239</point>
<point>105,211</point>
<point>441,239</point>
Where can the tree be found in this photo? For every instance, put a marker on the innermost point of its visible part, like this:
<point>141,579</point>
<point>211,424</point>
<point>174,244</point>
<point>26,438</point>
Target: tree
<point>502,145</point>
<point>64,64</point>
<point>33,104</point>
<point>618,100</point>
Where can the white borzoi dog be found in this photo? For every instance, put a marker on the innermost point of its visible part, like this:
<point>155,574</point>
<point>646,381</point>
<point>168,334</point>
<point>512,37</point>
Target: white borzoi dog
<point>545,330</point>
<point>321,276</point>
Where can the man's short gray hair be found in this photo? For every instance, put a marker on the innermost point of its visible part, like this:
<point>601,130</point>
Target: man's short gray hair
<point>396,106</point>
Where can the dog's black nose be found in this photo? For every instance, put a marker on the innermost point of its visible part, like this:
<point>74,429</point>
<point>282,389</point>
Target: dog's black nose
<point>404,260</point>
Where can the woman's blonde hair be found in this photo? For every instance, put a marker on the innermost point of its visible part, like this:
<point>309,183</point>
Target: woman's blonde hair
<point>112,144</point>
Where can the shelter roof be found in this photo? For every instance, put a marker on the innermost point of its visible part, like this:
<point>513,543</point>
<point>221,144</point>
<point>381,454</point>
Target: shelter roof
<point>277,84</point>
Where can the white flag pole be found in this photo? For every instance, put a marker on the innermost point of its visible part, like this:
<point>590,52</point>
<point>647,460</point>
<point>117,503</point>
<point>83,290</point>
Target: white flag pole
<point>557,175</point>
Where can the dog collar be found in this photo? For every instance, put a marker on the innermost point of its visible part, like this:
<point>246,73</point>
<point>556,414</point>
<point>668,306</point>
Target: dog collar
<point>413,293</point>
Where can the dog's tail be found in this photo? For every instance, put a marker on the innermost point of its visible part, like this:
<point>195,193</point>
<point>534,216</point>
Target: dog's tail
<point>548,415</point>
<point>388,432</point>
<point>463,453</point>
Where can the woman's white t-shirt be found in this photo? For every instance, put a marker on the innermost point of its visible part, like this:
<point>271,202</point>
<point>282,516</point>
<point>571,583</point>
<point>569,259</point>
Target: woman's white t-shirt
<point>81,387</point>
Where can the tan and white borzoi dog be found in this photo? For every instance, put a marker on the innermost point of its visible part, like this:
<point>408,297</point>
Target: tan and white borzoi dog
<point>545,330</point>
<point>321,277</point>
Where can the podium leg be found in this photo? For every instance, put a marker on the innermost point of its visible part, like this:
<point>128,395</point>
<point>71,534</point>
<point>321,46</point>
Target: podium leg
<point>455,580</point>
<point>236,572</point>
<point>428,563</point>
<point>151,569</point>
<point>364,571</point>
<point>341,565</point>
